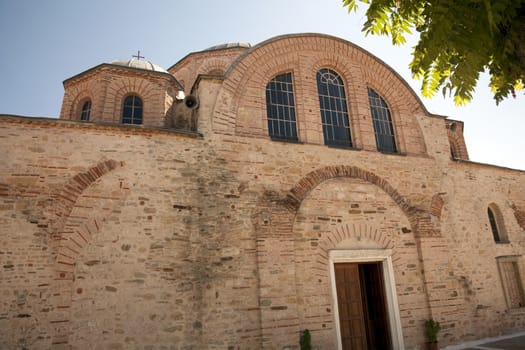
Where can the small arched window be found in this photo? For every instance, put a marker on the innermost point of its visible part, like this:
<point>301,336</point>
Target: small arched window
<point>382,121</point>
<point>280,108</point>
<point>334,109</point>
<point>132,110</point>
<point>86,111</point>
<point>496,224</point>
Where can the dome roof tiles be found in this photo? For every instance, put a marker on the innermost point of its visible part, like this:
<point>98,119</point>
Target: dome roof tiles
<point>139,64</point>
<point>229,45</point>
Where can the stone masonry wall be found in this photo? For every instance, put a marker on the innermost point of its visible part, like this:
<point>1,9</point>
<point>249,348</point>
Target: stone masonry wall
<point>445,269</point>
<point>120,237</point>
<point>156,239</point>
<point>152,253</point>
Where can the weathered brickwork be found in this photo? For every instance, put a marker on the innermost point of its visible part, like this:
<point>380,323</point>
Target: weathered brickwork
<point>207,62</point>
<point>107,85</point>
<point>210,235</point>
<point>458,148</point>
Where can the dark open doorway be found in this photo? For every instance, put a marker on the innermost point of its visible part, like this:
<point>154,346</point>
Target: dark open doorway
<point>363,314</point>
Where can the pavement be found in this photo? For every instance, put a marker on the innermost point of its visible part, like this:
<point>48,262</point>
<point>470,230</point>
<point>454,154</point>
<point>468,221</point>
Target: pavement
<point>514,341</point>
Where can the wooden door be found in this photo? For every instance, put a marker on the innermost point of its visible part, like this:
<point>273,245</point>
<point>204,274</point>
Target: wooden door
<point>350,303</point>
<point>363,315</point>
<point>374,303</point>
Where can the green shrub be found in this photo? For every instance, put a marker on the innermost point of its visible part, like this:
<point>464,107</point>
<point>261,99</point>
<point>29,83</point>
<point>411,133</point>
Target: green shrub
<point>306,340</point>
<point>432,328</point>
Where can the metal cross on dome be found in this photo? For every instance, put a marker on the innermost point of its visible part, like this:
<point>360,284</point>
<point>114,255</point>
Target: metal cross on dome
<point>138,56</point>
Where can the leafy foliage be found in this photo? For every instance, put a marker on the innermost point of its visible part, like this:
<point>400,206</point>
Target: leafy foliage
<point>432,329</point>
<point>457,41</point>
<point>305,341</point>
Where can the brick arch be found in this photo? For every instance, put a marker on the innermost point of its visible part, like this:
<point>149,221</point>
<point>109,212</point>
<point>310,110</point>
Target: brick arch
<point>72,234</point>
<point>76,106</point>
<point>252,100</point>
<point>342,68</point>
<point>392,88</point>
<point>274,215</point>
<point>132,86</point>
<point>458,148</point>
<point>213,66</point>
<point>419,219</point>
<point>78,93</point>
<point>395,114</point>
<point>404,110</point>
<point>299,192</point>
<point>501,227</point>
<point>64,202</point>
<point>436,205</point>
<point>294,261</point>
<point>519,214</point>
<point>73,188</point>
<point>246,74</point>
<point>361,231</point>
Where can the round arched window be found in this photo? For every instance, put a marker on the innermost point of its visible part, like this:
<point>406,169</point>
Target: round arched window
<point>132,110</point>
<point>86,111</point>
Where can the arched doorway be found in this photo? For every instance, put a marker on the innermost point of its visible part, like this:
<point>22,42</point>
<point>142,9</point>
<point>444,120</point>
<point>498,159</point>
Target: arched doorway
<point>346,231</point>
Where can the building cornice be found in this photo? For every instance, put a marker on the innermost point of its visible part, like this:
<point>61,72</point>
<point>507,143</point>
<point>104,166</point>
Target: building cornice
<point>71,124</point>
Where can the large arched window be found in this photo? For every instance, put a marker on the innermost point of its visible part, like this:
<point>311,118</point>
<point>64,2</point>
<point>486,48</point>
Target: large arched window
<point>280,108</point>
<point>496,224</point>
<point>132,110</point>
<point>334,110</point>
<point>86,111</point>
<point>382,120</point>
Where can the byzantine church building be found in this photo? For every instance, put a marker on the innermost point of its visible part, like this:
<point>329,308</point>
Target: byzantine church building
<point>247,194</point>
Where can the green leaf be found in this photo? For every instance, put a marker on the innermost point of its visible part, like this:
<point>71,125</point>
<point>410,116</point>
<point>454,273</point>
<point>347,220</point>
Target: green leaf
<point>458,40</point>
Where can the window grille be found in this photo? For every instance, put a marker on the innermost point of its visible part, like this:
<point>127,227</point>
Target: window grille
<point>86,111</point>
<point>382,121</point>
<point>334,110</point>
<point>132,110</point>
<point>280,108</point>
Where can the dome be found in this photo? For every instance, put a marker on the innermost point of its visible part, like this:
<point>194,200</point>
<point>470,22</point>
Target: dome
<point>229,46</point>
<point>139,64</point>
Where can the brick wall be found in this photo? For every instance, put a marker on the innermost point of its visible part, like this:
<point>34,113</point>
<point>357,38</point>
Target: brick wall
<point>108,85</point>
<point>212,62</point>
<point>134,237</point>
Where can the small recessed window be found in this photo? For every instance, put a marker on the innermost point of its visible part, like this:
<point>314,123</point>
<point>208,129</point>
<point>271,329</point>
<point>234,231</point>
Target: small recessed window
<point>132,110</point>
<point>86,111</point>
<point>496,224</point>
<point>280,108</point>
<point>382,121</point>
<point>334,109</point>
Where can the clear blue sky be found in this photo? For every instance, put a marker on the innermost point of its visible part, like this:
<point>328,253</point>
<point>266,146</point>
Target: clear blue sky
<point>43,42</point>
